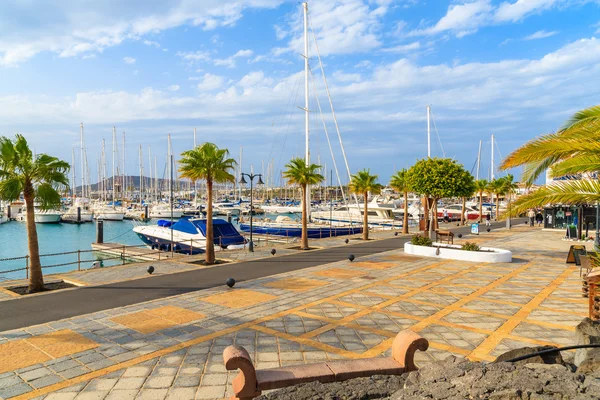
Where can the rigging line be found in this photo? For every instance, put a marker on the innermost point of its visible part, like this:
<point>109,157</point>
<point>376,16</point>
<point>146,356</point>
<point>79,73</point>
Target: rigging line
<point>287,130</point>
<point>437,133</point>
<point>337,128</point>
<point>501,158</point>
<point>337,174</point>
<point>281,122</point>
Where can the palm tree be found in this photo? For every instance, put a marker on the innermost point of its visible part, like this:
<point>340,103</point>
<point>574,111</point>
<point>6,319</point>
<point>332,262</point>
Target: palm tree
<point>481,186</point>
<point>495,188</point>
<point>298,173</point>
<point>211,164</point>
<point>40,179</point>
<point>399,183</point>
<point>363,183</point>
<point>574,150</point>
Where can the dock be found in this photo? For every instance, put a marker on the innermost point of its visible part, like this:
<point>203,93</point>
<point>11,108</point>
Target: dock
<point>131,252</point>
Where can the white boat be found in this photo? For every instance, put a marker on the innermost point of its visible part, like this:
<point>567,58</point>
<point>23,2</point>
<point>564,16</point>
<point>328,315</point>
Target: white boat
<point>454,212</point>
<point>86,214</point>
<point>188,235</point>
<point>41,216</point>
<point>379,215</point>
<point>282,209</point>
<point>164,211</point>
<point>3,218</point>
<point>109,214</point>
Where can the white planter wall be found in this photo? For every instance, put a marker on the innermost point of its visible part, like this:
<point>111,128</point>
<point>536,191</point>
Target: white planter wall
<point>491,255</point>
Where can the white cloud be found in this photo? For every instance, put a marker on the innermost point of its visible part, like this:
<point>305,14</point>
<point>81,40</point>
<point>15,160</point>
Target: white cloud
<point>230,62</point>
<point>364,64</point>
<point>70,27</point>
<point>194,55</point>
<point>173,88</point>
<point>88,56</point>
<point>151,43</point>
<point>344,77</point>
<point>540,35</point>
<point>405,48</point>
<point>129,60</point>
<point>520,9</point>
<point>461,19</point>
<point>341,27</point>
<point>210,82</point>
<point>254,79</point>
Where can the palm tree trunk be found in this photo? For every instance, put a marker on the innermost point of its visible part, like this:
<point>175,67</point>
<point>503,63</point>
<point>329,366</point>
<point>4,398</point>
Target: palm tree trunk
<point>405,222</point>
<point>480,207</point>
<point>497,206</point>
<point>304,241</point>
<point>464,209</point>
<point>210,245</point>
<point>36,278</point>
<point>366,218</point>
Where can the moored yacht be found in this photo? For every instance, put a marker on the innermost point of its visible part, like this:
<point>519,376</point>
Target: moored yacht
<point>188,235</point>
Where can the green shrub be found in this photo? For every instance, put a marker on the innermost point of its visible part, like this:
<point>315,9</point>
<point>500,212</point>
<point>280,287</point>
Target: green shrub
<point>470,246</point>
<point>419,240</point>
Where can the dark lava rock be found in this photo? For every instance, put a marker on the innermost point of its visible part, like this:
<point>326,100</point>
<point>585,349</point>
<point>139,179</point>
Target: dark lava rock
<point>587,332</point>
<point>551,358</point>
<point>375,387</point>
<point>457,379</point>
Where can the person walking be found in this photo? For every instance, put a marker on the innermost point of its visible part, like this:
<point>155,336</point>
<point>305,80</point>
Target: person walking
<point>488,219</point>
<point>539,218</point>
<point>531,215</point>
<point>446,218</point>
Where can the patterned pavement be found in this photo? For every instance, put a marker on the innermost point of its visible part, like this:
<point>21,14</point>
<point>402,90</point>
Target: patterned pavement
<point>172,348</point>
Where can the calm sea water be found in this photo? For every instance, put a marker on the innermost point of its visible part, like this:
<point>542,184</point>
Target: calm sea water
<point>61,238</point>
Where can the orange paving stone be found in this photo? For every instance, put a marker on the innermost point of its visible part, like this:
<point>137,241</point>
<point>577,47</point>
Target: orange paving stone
<point>340,273</point>
<point>19,354</point>
<point>374,264</point>
<point>149,321</point>
<point>62,343</point>
<point>297,284</point>
<point>238,298</point>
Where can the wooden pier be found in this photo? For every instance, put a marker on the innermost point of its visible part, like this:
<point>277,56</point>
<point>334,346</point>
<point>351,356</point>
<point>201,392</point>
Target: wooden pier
<point>131,252</point>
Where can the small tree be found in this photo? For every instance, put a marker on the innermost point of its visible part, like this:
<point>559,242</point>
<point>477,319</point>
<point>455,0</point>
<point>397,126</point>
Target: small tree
<point>438,178</point>
<point>363,183</point>
<point>39,178</point>
<point>464,191</point>
<point>298,173</point>
<point>399,183</point>
<point>495,187</point>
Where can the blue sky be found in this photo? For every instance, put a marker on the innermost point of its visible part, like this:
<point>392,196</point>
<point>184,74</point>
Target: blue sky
<point>233,70</point>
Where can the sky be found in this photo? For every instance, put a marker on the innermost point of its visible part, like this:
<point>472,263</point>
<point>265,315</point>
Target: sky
<point>234,70</point>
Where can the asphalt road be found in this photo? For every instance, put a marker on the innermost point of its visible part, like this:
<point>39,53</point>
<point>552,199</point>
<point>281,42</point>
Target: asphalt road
<point>49,307</point>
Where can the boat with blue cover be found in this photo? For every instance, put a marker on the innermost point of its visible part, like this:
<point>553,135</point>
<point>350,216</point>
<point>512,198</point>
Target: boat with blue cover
<point>285,226</point>
<point>188,235</point>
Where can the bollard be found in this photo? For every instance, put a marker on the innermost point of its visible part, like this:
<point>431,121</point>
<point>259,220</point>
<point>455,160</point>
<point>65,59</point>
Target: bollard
<point>99,231</point>
<point>229,217</point>
<point>78,215</point>
<point>27,266</point>
<point>78,260</point>
<point>146,215</point>
<point>8,212</point>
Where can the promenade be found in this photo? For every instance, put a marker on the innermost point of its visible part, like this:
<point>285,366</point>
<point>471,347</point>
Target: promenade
<point>162,337</point>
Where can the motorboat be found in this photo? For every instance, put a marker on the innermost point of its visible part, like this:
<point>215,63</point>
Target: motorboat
<point>164,211</point>
<point>188,235</point>
<point>454,212</point>
<point>109,214</point>
<point>41,216</point>
<point>285,226</point>
<point>85,214</point>
<point>381,216</point>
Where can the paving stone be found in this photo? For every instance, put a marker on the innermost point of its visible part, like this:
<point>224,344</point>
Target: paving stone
<point>218,379</point>
<point>73,372</point>
<point>14,390</point>
<point>129,383</point>
<point>181,394</point>
<point>91,395</point>
<point>210,392</point>
<point>159,382</point>
<point>122,395</point>
<point>152,394</point>
<point>45,381</point>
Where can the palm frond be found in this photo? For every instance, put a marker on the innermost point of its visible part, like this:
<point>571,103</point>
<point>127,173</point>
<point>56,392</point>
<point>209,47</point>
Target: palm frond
<point>207,162</point>
<point>47,196</point>
<point>298,173</point>
<point>399,182</point>
<point>588,116</point>
<point>363,182</point>
<point>575,166</point>
<point>562,192</point>
<point>11,188</point>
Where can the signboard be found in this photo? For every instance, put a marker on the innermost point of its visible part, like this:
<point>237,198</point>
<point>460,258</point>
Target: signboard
<point>571,232</point>
<point>568,213</point>
<point>475,229</point>
<point>574,252</point>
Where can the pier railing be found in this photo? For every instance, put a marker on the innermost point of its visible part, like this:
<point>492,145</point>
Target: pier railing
<point>80,260</point>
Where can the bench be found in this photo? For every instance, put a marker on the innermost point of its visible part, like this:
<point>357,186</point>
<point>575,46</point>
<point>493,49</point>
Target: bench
<point>250,383</point>
<point>441,235</point>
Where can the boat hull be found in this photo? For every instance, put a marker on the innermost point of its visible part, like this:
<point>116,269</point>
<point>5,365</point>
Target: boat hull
<point>47,218</point>
<point>110,216</point>
<point>312,232</point>
<point>159,243</point>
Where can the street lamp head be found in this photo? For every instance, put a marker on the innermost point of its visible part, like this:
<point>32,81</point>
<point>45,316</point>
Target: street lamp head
<point>260,181</point>
<point>242,180</point>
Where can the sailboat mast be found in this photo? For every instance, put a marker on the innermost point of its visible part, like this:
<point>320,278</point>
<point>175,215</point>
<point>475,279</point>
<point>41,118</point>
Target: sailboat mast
<point>114,138</point>
<point>141,177</point>
<point>478,160</point>
<point>103,170</point>
<point>240,169</point>
<point>150,175</point>
<point>492,165</point>
<point>428,131</point>
<point>82,160</point>
<point>73,194</point>
<point>123,183</point>
<point>306,112</point>
<point>195,181</point>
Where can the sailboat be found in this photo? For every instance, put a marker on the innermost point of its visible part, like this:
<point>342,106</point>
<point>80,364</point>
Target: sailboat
<point>285,226</point>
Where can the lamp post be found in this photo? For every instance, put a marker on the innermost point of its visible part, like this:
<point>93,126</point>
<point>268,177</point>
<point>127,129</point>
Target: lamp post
<point>243,182</point>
